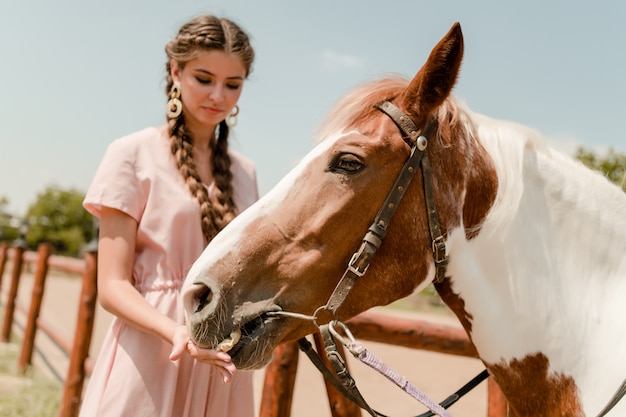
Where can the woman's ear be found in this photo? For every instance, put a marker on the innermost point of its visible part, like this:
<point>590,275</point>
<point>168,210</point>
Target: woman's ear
<point>175,70</point>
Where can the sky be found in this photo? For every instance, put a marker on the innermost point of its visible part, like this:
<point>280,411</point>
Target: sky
<point>77,74</point>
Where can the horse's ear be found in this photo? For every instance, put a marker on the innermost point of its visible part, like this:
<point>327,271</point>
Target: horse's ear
<point>434,81</point>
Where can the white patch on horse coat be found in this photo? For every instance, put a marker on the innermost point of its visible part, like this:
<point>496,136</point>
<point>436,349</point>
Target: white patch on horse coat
<point>547,272</point>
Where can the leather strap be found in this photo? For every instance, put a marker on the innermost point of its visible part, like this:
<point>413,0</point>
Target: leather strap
<point>438,244</point>
<point>619,394</point>
<point>361,259</point>
<point>345,383</point>
<point>403,121</point>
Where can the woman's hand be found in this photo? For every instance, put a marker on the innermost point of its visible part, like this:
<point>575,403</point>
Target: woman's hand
<point>221,360</point>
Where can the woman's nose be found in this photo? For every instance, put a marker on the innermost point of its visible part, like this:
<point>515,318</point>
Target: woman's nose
<point>217,94</point>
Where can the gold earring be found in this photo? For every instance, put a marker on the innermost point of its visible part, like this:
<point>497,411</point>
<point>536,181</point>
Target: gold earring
<point>231,119</point>
<point>174,105</point>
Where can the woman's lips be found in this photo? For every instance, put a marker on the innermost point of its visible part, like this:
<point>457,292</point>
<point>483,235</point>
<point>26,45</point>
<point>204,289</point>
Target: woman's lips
<point>212,110</point>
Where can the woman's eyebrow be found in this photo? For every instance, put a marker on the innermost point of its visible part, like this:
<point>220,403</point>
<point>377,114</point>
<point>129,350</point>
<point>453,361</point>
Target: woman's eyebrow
<point>235,77</point>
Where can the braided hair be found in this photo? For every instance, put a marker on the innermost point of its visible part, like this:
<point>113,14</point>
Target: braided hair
<point>201,34</point>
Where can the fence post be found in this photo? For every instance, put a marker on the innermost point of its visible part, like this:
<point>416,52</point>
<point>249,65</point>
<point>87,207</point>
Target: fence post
<point>28,342</point>
<point>497,405</point>
<point>3,260</point>
<point>73,387</point>
<point>280,377</point>
<point>18,258</point>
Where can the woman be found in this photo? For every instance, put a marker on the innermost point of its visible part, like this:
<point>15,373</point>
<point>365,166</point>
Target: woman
<point>161,195</point>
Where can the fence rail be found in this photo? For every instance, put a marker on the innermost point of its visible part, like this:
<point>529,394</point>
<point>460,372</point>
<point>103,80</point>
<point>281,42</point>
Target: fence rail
<point>280,374</point>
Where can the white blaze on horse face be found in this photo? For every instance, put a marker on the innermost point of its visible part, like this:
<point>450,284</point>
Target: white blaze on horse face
<point>233,235</point>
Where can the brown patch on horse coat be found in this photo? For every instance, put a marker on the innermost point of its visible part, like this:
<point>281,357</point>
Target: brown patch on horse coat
<point>456,304</point>
<point>482,186</point>
<point>548,395</point>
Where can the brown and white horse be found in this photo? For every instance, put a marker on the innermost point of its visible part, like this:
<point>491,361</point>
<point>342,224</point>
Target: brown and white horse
<point>536,244</point>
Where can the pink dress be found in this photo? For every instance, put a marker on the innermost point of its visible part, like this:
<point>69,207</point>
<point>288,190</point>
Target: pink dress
<point>133,376</point>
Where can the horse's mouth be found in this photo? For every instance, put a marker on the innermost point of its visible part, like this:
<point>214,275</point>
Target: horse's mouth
<point>257,331</point>
<point>252,330</point>
<point>248,336</point>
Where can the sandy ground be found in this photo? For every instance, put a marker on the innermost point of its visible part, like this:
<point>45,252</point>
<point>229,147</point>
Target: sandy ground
<point>437,375</point>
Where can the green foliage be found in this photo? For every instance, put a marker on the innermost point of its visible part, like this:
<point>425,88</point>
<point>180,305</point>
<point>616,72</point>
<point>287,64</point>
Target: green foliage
<point>58,217</point>
<point>613,165</point>
<point>8,231</point>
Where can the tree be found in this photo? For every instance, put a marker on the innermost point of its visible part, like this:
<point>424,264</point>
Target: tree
<point>613,165</point>
<point>58,217</point>
<point>8,231</point>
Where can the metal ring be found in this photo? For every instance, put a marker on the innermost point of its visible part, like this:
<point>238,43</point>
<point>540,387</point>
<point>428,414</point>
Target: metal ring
<point>336,335</point>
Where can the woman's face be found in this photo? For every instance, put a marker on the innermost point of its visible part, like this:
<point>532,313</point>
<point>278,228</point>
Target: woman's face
<point>210,86</point>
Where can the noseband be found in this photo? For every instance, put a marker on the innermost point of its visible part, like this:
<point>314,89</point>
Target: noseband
<point>372,240</point>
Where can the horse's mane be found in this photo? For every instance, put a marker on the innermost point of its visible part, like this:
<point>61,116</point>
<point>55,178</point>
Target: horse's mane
<point>507,143</point>
<point>359,103</point>
<point>510,145</point>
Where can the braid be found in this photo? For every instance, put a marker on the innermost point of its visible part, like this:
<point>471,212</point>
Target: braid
<point>201,34</point>
<point>183,152</point>
<point>222,175</point>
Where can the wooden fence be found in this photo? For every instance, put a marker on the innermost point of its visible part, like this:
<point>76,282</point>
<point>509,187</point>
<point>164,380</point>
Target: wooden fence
<point>77,349</point>
<point>280,374</point>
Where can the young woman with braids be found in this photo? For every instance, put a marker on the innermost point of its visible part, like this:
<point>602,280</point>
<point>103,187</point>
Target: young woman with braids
<point>162,194</point>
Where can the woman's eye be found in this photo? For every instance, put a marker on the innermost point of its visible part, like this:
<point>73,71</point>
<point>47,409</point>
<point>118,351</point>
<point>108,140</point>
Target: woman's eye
<point>203,80</point>
<point>348,164</point>
<point>233,86</point>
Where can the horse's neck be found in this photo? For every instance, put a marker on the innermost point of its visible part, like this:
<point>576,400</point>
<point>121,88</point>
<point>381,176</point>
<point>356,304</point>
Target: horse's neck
<point>547,272</point>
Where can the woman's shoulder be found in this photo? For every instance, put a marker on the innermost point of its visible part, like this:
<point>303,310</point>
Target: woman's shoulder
<point>137,138</point>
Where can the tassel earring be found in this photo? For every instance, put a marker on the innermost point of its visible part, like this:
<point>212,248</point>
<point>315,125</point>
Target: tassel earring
<point>231,119</point>
<point>174,105</point>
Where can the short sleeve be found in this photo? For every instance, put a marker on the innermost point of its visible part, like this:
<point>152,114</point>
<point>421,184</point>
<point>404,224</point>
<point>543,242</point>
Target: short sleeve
<point>116,182</point>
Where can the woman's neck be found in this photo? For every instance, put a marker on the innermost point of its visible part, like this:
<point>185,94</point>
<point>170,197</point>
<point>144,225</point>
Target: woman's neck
<point>202,136</point>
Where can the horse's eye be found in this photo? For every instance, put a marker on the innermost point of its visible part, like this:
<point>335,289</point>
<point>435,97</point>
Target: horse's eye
<point>347,164</point>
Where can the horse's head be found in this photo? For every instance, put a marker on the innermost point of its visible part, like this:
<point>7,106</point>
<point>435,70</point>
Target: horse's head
<point>288,251</point>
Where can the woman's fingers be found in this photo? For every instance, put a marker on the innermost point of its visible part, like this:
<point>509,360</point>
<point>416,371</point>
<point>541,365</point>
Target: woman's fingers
<point>220,360</point>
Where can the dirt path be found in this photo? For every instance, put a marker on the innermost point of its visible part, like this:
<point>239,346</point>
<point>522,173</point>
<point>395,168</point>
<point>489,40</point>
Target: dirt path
<point>437,375</point>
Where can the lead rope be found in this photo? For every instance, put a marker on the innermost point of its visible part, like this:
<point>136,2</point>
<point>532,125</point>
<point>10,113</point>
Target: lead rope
<point>361,353</point>
<point>342,381</point>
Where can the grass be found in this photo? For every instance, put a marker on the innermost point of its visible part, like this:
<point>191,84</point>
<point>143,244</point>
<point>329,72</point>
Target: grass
<point>30,395</point>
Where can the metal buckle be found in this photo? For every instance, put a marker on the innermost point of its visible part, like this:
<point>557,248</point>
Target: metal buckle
<point>439,250</point>
<point>355,270</point>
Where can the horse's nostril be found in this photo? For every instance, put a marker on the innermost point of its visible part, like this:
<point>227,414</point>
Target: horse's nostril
<point>202,298</point>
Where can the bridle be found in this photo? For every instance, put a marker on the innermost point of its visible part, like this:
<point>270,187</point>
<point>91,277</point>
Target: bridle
<point>360,262</point>
<point>361,259</point>
<point>372,240</point>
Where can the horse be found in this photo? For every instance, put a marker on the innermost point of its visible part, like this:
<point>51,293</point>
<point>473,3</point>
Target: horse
<point>526,245</point>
